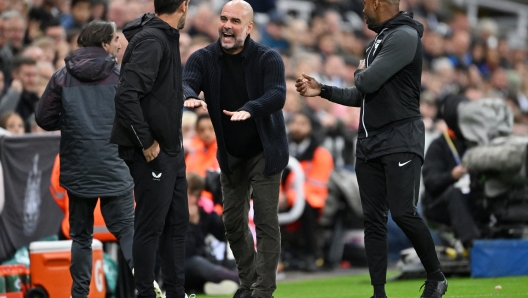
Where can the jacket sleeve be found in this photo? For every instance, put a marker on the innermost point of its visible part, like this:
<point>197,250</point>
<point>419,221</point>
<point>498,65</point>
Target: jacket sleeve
<point>274,85</point>
<point>136,81</point>
<point>216,226</point>
<point>47,114</point>
<point>436,176</point>
<point>192,76</point>
<point>9,101</point>
<point>345,96</point>
<point>398,50</point>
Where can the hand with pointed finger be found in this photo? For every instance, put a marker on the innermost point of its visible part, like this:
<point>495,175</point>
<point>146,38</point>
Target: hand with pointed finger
<point>238,116</point>
<point>307,86</point>
<point>192,103</point>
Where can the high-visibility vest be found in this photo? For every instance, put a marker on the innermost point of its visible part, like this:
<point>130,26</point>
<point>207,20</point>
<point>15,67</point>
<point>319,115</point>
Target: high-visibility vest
<point>60,195</point>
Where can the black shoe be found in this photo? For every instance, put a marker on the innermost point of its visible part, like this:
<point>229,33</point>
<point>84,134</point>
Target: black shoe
<point>242,293</point>
<point>434,289</point>
<point>378,296</point>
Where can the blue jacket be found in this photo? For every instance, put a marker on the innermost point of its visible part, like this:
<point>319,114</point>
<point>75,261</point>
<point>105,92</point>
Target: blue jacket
<point>266,87</point>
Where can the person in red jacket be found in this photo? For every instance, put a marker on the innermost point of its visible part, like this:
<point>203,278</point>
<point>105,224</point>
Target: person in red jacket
<point>317,164</point>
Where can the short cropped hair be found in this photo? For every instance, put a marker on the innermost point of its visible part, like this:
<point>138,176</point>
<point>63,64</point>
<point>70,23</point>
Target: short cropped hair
<point>167,6</point>
<point>96,33</point>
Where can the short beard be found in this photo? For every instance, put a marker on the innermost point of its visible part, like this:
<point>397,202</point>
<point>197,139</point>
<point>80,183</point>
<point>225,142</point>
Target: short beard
<point>181,22</point>
<point>238,44</point>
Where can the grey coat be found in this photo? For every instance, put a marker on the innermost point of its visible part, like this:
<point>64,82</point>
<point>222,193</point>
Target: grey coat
<point>79,100</point>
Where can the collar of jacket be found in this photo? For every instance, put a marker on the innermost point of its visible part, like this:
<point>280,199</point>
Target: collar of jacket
<point>246,53</point>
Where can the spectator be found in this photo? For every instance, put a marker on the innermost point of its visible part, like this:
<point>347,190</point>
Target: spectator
<point>55,31</point>
<point>203,270</point>
<point>14,28</point>
<point>274,32</point>
<point>22,94</point>
<point>202,157</point>
<point>448,198</point>
<point>317,165</point>
<point>13,123</point>
<point>80,14</point>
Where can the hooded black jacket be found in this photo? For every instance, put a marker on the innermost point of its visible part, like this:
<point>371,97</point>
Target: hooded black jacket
<point>79,100</point>
<point>149,99</point>
<point>388,90</point>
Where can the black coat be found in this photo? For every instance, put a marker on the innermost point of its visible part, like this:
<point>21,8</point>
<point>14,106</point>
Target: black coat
<point>149,99</point>
<point>266,88</point>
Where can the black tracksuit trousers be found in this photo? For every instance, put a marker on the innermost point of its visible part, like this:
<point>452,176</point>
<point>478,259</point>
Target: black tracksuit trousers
<point>392,182</point>
<point>162,215</point>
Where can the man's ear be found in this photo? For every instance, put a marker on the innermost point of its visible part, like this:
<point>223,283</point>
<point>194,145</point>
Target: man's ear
<point>184,6</point>
<point>250,27</point>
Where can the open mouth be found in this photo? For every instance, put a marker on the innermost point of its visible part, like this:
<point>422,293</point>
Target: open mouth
<point>228,36</point>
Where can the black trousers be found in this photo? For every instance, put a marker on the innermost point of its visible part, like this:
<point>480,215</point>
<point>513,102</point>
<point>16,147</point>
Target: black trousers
<point>391,182</point>
<point>118,213</point>
<point>162,215</point>
<point>453,208</point>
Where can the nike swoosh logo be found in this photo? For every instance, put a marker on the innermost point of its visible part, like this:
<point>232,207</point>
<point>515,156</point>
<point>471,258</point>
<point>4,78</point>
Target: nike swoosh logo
<point>402,164</point>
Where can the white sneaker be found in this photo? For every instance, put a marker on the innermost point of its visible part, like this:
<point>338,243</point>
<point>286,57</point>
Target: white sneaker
<point>157,290</point>
<point>225,287</point>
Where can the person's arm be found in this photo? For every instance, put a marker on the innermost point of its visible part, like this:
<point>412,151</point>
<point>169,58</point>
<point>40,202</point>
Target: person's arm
<point>308,86</point>
<point>47,113</point>
<point>136,80</point>
<point>192,82</point>
<point>345,96</point>
<point>398,50</point>
<point>10,100</point>
<point>274,85</point>
<point>436,176</point>
<point>216,226</point>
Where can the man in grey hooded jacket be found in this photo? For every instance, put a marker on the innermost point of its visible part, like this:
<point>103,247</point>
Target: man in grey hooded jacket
<point>79,101</point>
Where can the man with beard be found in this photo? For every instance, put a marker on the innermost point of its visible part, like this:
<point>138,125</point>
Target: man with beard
<point>390,145</point>
<point>147,128</point>
<point>245,90</point>
<point>79,100</point>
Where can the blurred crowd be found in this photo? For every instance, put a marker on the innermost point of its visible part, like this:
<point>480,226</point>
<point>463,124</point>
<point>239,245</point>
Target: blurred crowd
<point>327,43</point>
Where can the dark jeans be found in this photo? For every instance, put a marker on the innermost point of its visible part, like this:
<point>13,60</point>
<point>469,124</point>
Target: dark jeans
<point>453,208</point>
<point>257,270</point>
<point>199,270</point>
<point>162,215</point>
<point>391,182</point>
<point>118,213</point>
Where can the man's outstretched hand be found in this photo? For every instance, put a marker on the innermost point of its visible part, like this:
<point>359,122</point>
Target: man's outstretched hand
<point>192,103</point>
<point>238,116</point>
<point>307,86</point>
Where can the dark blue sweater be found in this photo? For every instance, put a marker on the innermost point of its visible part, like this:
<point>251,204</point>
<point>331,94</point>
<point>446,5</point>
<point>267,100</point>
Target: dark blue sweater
<point>266,87</point>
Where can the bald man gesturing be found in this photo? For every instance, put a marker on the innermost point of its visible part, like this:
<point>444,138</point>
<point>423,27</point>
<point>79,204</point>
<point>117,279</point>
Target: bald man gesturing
<point>245,90</point>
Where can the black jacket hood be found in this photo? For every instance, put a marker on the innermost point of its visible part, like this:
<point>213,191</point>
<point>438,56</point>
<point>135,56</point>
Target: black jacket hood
<point>403,18</point>
<point>148,20</point>
<point>449,112</point>
<point>90,64</point>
